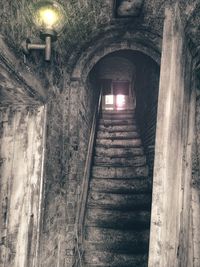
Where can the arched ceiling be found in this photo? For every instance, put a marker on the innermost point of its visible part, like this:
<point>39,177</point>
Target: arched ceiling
<point>90,22</point>
<point>87,19</point>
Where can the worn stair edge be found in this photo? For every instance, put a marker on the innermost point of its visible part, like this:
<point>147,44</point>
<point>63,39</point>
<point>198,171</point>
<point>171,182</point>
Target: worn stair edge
<point>117,122</point>
<point>119,172</point>
<point>137,220</point>
<point>116,240</point>
<point>122,111</point>
<point>118,128</point>
<point>118,143</point>
<point>117,135</point>
<point>119,152</point>
<point>119,201</point>
<point>121,186</point>
<point>115,116</point>
<point>106,259</point>
<point>109,161</point>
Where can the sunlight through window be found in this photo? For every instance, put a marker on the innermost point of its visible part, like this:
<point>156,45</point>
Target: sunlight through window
<point>120,101</point>
<point>109,99</point>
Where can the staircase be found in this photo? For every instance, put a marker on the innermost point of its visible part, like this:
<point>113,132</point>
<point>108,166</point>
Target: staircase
<point>117,218</point>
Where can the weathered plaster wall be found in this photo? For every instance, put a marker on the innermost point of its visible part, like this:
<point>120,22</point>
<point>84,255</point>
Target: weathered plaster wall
<point>68,129</point>
<point>69,122</point>
<point>53,213</point>
<point>21,152</point>
<point>194,253</point>
<point>19,85</point>
<point>146,88</point>
<point>169,240</point>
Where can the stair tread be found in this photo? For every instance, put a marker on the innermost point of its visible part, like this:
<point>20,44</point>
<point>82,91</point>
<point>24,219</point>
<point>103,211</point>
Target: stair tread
<point>119,201</point>
<point>108,259</point>
<point>105,239</point>
<point>119,152</point>
<point>117,116</point>
<point>119,172</point>
<point>118,142</point>
<point>98,234</point>
<point>116,219</point>
<point>138,184</point>
<point>117,135</point>
<point>124,111</point>
<point>117,122</point>
<point>117,128</point>
<point>109,161</point>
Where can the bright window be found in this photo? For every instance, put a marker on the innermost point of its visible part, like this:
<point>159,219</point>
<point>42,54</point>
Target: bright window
<point>120,101</point>
<point>109,99</point>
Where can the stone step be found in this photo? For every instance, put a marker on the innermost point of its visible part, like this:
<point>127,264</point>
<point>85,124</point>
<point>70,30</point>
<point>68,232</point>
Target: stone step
<point>108,161</point>
<point>119,172</point>
<point>124,111</point>
<point>117,122</point>
<point>117,116</point>
<point>121,186</point>
<point>105,239</point>
<point>117,128</point>
<point>118,219</point>
<point>117,135</point>
<point>119,201</point>
<point>119,152</point>
<point>118,143</point>
<point>108,259</point>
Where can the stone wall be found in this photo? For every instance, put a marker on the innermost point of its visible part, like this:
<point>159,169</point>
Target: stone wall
<point>69,121</point>
<point>194,244</point>
<point>68,129</point>
<point>146,88</point>
<point>169,238</point>
<point>70,108</point>
<point>116,68</point>
<point>21,171</point>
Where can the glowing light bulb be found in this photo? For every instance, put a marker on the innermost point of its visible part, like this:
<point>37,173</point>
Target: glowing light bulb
<point>48,17</point>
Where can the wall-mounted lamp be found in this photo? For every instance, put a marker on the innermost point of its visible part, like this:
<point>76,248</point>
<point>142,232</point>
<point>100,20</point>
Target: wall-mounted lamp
<point>49,18</point>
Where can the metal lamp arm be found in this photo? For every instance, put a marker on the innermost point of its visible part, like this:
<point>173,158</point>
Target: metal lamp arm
<point>28,46</point>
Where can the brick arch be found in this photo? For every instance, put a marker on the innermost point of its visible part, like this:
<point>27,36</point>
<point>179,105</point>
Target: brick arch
<point>136,41</point>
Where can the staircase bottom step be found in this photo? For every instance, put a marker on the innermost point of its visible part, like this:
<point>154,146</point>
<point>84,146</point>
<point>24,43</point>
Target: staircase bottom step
<point>121,186</point>
<point>113,219</point>
<point>106,259</point>
<point>118,241</point>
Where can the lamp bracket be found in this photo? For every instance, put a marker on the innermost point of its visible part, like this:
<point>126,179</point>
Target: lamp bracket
<point>48,32</point>
<point>24,46</point>
<point>27,46</point>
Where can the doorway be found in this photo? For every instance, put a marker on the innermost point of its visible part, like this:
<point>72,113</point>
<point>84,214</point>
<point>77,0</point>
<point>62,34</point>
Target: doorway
<point>116,95</point>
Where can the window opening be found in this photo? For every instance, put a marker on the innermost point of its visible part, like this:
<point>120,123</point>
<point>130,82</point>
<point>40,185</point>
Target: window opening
<point>120,102</point>
<point>115,94</point>
<point>109,99</point>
